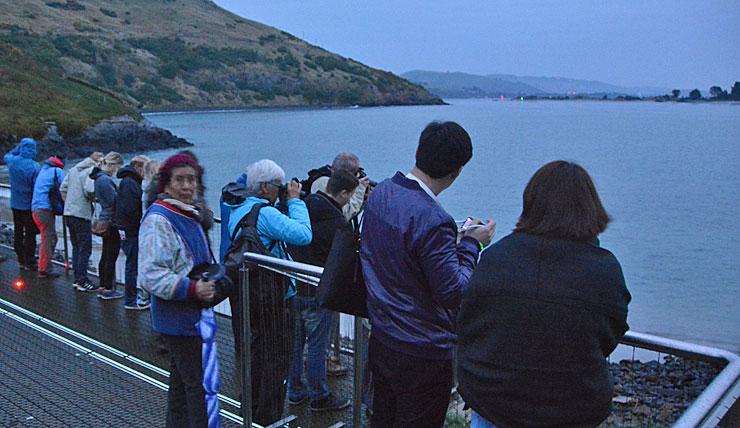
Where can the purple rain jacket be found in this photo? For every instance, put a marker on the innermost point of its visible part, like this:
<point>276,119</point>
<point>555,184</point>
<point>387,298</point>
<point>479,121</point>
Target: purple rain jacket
<point>414,271</point>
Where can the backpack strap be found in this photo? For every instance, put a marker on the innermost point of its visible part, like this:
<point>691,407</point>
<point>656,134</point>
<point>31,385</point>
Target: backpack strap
<point>249,220</point>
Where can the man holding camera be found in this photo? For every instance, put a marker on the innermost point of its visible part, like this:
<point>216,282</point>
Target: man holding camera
<point>415,271</point>
<point>348,162</point>
<point>313,324</point>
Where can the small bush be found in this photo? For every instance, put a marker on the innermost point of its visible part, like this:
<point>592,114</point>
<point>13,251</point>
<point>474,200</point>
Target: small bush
<point>108,12</point>
<point>68,5</point>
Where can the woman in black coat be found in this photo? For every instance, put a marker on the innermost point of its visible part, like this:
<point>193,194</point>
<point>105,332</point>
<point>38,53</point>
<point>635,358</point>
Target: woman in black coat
<point>544,308</point>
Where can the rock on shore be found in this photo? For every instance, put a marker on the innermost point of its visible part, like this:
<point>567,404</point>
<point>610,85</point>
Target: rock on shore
<point>122,134</point>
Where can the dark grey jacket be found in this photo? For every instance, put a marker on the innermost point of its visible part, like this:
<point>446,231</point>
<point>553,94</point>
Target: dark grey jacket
<point>105,193</point>
<point>535,326</point>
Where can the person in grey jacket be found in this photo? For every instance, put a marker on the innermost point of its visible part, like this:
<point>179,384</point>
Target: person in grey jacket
<point>77,215</point>
<point>105,196</point>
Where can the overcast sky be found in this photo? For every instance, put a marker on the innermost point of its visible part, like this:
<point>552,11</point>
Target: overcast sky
<point>666,43</point>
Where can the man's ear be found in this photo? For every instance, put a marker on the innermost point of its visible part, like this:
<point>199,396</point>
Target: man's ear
<point>455,174</point>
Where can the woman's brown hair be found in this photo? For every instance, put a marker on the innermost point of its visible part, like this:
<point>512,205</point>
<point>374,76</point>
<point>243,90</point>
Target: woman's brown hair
<point>561,202</point>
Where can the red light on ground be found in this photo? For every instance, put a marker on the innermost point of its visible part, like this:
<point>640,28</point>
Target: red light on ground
<point>19,284</point>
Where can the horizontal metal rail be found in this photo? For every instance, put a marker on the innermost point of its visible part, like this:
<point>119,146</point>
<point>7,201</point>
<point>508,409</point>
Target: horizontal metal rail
<point>706,411</point>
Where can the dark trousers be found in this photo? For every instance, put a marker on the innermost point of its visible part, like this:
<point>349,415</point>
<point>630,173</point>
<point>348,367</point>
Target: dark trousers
<point>408,391</point>
<point>81,237</point>
<point>186,402</point>
<point>24,238</point>
<point>107,264</point>
<point>130,247</point>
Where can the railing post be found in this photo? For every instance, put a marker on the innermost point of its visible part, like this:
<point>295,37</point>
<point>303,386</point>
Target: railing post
<point>359,369</point>
<point>66,250</point>
<point>246,347</point>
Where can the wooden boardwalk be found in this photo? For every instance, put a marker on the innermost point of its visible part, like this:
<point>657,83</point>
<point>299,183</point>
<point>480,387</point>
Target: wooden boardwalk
<point>70,359</point>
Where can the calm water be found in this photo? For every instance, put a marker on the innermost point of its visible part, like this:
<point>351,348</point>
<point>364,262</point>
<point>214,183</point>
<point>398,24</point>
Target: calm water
<point>668,174</point>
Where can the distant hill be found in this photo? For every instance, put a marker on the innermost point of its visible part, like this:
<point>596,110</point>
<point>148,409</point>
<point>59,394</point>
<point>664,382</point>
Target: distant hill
<point>455,84</point>
<point>463,85</point>
<point>183,54</point>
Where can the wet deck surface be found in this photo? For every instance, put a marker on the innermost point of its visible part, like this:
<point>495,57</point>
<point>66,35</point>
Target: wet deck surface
<point>45,382</point>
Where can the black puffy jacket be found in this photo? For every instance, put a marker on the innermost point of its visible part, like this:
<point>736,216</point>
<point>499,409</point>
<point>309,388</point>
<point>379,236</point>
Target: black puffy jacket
<point>536,324</point>
<point>128,201</point>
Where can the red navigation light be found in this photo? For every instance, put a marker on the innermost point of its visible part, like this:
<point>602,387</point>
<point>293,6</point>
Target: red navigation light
<point>19,284</point>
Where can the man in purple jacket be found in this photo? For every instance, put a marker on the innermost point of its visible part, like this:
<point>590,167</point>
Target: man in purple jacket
<point>416,266</point>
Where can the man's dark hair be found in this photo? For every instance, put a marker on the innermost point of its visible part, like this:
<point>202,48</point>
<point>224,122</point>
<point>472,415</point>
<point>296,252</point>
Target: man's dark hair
<point>444,147</point>
<point>561,202</point>
<point>341,179</point>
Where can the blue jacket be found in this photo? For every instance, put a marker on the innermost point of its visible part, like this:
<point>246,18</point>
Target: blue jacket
<point>414,271</point>
<point>174,244</point>
<point>22,170</point>
<point>225,215</point>
<point>44,183</point>
<point>274,226</point>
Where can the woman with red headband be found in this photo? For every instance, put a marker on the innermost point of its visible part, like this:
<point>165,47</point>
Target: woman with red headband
<point>173,243</point>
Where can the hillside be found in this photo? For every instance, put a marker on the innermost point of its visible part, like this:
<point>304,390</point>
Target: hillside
<point>184,54</point>
<point>463,85</point>
<point>31,95</point>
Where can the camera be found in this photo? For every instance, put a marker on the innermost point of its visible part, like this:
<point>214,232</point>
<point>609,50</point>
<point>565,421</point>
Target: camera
<point>215,272</point>
<point>283,189</point>
<point>362,174</point>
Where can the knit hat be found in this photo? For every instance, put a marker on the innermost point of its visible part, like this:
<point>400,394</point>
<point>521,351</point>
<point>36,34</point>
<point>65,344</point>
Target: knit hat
<point>172,162</point>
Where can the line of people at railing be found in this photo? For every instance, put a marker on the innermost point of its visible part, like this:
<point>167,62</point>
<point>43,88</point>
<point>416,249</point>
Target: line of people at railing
<point>531,319</point>
<point>98,195</point>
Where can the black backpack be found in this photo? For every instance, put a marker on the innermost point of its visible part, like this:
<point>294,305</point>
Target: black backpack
<point>324,171</point>
<point>55,197</point>
<point>246,241</point>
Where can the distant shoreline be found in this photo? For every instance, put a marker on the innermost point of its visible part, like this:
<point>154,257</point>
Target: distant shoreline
<point>154,112</point>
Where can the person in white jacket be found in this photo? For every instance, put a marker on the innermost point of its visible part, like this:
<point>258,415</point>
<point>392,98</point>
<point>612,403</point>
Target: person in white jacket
<point>77,214</point>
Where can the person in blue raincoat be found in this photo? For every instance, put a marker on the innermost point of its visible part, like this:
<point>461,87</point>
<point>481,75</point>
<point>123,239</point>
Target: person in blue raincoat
<point>22,172</point>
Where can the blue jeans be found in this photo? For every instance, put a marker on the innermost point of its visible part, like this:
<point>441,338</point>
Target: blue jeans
<point>81,237</point>
<point>312,324</point>
<point>130,247</point>
<point>478,421</point>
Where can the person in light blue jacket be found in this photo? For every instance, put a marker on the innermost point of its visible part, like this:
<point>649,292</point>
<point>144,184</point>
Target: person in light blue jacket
<point>271,327</point>
<point>44,214</point>
<point>22,172</point>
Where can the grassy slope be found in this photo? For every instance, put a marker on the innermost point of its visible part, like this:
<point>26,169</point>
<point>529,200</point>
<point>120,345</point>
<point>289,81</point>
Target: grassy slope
<point>170,54</point>
<point>30,95</point>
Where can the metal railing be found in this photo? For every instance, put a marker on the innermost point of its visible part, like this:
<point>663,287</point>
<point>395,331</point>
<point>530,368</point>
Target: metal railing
<point>706,411</point>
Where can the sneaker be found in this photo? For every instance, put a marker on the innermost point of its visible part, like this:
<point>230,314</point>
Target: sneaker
<point>330,403</point>
<point>334,368</point>
<point>86,285</point>
<point>136,306</point>
<point>50,274</point>
<point>110,294</point>
<point>298,402</point>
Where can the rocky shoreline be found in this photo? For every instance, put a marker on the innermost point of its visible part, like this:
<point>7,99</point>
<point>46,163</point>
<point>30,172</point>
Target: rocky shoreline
<point>121,134</point>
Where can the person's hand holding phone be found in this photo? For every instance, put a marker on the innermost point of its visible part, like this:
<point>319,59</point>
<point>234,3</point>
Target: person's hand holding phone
<point>481,232</point>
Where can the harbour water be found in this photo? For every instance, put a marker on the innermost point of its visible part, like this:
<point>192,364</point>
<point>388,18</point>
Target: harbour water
<point>668,174</point>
